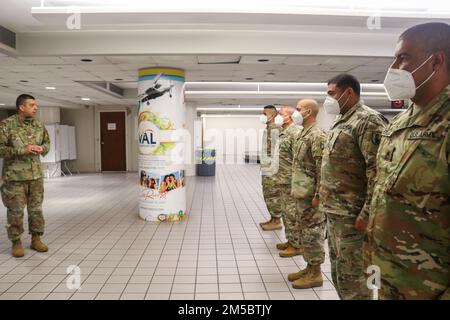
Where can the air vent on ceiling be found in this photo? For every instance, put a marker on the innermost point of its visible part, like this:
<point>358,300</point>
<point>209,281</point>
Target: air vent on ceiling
<point>105,87</point>
<point>7,37</point>
<point>211,59</point>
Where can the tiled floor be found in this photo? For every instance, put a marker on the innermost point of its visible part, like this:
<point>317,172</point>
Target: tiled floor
<point>219,252</point>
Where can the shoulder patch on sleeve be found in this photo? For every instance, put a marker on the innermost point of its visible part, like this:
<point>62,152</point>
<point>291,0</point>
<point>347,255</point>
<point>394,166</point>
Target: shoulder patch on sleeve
<point>376,138</point>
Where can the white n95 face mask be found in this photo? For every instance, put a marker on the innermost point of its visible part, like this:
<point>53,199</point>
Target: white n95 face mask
<point>399,84</point>
<point>279,120</point>
<point>263,119</point>
<point>297,118</point>
<point>331,106</point>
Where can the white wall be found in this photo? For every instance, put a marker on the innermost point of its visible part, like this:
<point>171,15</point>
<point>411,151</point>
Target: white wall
<point>232,136</point>
<point>83,120</point>
<point>87,126</point>
<point>49,115</point>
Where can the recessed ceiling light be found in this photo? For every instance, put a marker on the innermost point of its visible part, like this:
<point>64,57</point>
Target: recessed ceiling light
<point>86,60</point>
<point>23,80</point>
<point>85,99</point>
<point>118,79</point>
<point>50,88</point>
<point>2,104</point>
<point>263,60</point>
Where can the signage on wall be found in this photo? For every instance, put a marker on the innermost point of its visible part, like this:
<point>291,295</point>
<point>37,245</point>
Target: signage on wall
<point>112,126</point>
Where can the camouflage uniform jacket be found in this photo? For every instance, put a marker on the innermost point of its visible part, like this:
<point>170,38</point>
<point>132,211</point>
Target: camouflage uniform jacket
<point>409,225</point>
<point>271,133</point>
<point>15,135</point>
<point>349,162</point>
<point>307,161</point>
<point>285,148</point>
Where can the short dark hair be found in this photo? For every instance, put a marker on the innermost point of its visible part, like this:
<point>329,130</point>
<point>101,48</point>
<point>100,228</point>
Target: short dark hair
<point>431,37</point>
<point>22,98</point>
<point>270,107</point>
<point>345,80</point>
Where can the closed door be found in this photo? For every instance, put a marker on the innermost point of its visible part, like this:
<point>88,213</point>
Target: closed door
<point>112,141</point>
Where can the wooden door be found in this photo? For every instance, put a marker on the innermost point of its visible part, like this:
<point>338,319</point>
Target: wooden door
<point>112,141</point>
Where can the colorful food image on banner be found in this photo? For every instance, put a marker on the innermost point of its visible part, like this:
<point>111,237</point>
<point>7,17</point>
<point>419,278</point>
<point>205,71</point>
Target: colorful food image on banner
<point>161,117</point>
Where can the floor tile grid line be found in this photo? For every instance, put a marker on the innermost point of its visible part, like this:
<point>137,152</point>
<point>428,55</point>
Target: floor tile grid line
<point>260,230</point>
<point>50,212</point>
<point>203,193</point>
<point>107,212</point>
<point>257,189</point>
<point>249,196</point>
<point>233,197</point>
<point>119,210</point>
<point>220,191</point>
<point>284,277</point>
<point>261,233</point>
<point>189,205</point>
<point>48,259</point>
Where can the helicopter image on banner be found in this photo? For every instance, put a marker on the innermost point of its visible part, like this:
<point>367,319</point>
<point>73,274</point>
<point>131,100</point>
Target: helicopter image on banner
<point>155,90</point>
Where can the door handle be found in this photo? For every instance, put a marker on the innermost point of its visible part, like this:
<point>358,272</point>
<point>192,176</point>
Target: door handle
<point>102,143</point>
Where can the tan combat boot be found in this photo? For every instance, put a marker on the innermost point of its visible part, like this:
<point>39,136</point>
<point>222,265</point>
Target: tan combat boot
<point>296,275</point>
<point>290,251</point>
<point>37,244</point>
<point>17,249</point>
<point>275,224</point>
<point>282,245</point>
<point>266,222</point>
<point>312,278</point>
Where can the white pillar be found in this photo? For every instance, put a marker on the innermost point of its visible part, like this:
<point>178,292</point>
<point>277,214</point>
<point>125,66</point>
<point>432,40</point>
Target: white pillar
<point>161,122</point>
<point>191,116</point>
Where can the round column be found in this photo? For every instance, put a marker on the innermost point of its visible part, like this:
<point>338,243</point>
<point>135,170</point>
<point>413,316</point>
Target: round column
<point>161,119</point>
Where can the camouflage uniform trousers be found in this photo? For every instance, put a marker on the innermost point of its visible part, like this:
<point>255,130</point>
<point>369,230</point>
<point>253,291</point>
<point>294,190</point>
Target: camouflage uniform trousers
<point>346,256</point>
<point>271,194</point>
<point>18,194</point>
<point>310,226</point>
<point>289,213</point>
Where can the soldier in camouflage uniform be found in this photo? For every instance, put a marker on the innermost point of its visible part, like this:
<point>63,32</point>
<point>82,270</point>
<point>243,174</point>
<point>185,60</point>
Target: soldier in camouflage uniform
<point>22,140</point>
<point>409,225</point>
<point>347,176</point>
<point>283,178</point>
<point>310,223</point>
<point>270,191</point>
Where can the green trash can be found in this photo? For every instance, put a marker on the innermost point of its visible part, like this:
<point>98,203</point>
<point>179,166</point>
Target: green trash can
<point>206,162</point>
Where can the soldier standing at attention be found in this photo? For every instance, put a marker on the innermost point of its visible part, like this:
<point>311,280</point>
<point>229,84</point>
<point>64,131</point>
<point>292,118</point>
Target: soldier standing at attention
<point>409,225</point>
<point>283,178</point>
<point>270,190</point>
<point>22,140</point>
<point>347,178</point>
<point>305,189</point>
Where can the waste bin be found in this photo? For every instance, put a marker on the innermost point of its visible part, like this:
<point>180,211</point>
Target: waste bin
<point>206,162</point>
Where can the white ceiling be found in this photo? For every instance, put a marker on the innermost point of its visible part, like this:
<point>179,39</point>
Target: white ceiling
<point>65,72</point>
<point>300,46</point>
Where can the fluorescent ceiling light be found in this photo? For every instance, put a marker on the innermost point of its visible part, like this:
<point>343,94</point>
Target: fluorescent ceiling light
<point>2,104</point>
<point>85,99</point>
<point>256,93</point>
<point>50,88</point>
<point>406,8</point>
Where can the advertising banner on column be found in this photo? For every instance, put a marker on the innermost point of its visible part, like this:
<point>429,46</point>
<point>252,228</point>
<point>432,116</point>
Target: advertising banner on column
<point>161,119</point>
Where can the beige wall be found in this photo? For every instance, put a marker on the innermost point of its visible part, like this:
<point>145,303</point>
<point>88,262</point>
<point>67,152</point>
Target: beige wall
<point>87,124</point>
<point>83,120</point>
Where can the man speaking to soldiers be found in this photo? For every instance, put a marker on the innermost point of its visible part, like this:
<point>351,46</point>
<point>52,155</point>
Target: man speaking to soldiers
<point>305,188</point>
<point>22,140</point>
